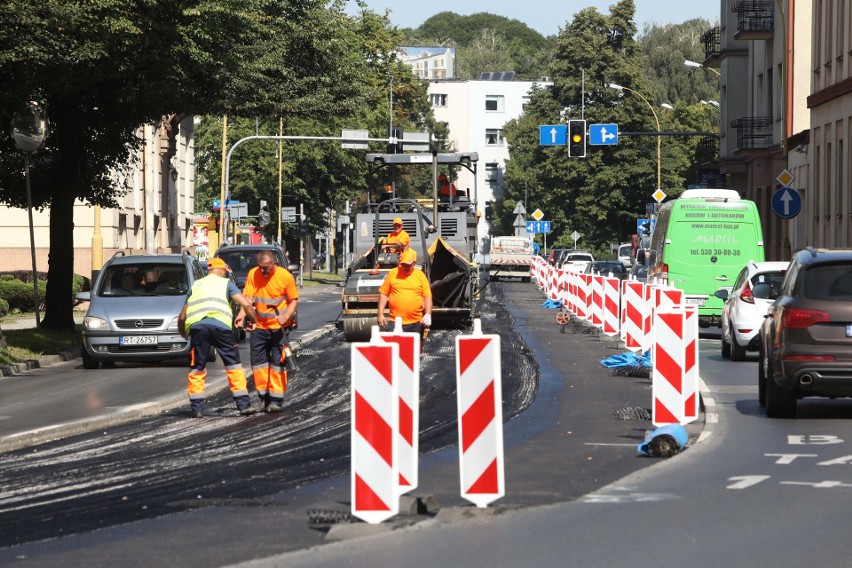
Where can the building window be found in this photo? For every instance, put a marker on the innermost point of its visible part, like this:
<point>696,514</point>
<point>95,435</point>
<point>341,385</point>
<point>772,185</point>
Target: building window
<point>493,137</point>
<point>494,103</point>
<point>492,173</point>
<point>438,100</point>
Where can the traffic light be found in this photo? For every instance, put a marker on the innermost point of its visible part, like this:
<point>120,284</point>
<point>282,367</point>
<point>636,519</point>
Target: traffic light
<point>577,138</point>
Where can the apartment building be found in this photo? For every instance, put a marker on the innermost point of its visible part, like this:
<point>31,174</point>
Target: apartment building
<point>786,104</point>
<point>476,112</point>
<point>155,215</point>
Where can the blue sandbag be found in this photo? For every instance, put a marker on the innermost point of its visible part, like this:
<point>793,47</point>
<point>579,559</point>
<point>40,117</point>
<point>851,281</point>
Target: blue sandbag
<point>665,441</point>
<point>552,304</point>
<point>627,359</point>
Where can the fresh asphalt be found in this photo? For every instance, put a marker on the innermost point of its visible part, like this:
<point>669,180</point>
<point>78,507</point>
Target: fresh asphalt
<point>572,440</point>
<point>39,405</point>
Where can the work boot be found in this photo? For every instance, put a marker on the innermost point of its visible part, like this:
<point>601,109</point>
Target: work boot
<point>272,408</point>
<point>248,411</point>
<point>196,408</point>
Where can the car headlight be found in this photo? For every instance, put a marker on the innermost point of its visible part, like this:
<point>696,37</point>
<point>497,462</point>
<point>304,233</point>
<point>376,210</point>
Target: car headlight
<point>173,325</point>
<point>90,322</point>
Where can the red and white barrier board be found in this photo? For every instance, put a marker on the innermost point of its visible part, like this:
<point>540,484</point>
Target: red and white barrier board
<point>610,306</point>
<point>669,360</point>
<point>409,403</point>
<point>596,305</point>
<point>690,375</point>
<point>633,305</point>
<point>375,423</point>
<point>480,409</point>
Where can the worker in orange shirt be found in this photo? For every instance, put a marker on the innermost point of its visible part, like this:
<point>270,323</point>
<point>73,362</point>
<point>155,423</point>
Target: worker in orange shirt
<point>273,292</point>
<point>397,236</point>
<point>407,294</point>
<point>445,188</point>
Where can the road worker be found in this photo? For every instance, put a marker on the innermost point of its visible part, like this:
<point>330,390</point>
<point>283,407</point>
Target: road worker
<point>407,294</point>
<point>274,295</point>
<point>397,236</point>
<point>207,319</point>
<point>446,189</point>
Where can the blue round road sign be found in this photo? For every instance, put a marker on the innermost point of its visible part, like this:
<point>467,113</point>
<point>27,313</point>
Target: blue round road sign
<point>786,202</point>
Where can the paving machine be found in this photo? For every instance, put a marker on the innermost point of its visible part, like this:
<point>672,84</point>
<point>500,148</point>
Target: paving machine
<point>443,233</point>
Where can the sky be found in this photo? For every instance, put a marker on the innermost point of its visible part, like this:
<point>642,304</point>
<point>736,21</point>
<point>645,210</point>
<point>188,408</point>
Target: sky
<point>544,16</point>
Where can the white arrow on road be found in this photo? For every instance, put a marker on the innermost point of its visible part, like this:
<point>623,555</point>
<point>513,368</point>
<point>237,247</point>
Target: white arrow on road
<point>786,198</point>
<point>606,135</point>
<point>553,135</point>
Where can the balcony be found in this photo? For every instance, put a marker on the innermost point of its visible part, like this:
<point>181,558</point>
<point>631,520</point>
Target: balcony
<point>754,134</point>
<point>755,19</point>
<point>712,40</point>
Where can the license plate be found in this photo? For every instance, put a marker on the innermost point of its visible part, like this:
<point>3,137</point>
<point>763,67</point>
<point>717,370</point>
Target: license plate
<point>696,302</point>
<point>138,340</point>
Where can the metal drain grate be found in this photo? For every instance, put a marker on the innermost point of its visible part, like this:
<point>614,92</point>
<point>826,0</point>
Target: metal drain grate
<point>632,413</point>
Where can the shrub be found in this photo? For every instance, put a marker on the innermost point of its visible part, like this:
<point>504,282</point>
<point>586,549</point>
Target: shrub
<point>4,307</point>
<point>19,294</point>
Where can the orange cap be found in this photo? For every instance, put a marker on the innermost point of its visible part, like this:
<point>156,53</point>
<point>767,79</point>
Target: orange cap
<point>408,256</point>
<point>217,263</point>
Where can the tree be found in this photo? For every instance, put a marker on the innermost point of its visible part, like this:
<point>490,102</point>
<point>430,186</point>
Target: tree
<point>602,195</point>
<point>104,67</point>
<point>319,174</point>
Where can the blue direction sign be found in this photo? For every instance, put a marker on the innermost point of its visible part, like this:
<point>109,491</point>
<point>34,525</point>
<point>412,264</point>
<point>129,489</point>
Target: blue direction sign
<point>553,135</point>
<point>538,226</point>
<point>603,134</point>
<point>786,202</point>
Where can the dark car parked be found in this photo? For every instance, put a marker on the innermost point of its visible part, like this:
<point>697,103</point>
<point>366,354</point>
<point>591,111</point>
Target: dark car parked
<point>615,268</point>
<point>555,255</point>
<point>242,258</point>
<point>806,338</point>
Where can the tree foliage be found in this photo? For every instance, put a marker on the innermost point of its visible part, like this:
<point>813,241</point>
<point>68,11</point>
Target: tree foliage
<point>486,42</point>
<point>602,195</point>
<point>101,68</point>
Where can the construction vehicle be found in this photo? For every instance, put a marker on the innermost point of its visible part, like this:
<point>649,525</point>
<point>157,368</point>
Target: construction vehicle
<point>443,233</point>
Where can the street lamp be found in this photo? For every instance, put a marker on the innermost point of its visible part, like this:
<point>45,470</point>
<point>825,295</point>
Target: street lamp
<point>657,120</point>
<point>689,63</point>
<point>667,106</point>
<point>29,132</point>
<point>174,174</point>
<point>712,103</point>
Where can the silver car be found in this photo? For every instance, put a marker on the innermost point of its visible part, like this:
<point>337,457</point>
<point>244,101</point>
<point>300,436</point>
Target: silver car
<point>134,307</point>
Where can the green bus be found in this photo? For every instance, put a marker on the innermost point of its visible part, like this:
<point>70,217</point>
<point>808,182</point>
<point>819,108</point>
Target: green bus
<point>700,242</point>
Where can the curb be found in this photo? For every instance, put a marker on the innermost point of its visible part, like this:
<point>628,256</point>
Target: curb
<point>15,369</point>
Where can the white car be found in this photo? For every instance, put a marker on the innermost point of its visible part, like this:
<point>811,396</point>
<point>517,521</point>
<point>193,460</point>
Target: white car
<point>746,302</point>
<point>577,261</point>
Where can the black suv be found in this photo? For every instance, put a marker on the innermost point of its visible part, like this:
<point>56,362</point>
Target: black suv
<point>242,258</point>
<point>806,338</point>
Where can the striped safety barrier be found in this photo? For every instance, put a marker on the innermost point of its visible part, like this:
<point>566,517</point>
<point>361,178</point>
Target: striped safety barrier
<point>375,422</point>
<point>480,416</point>
<point>408,382</point>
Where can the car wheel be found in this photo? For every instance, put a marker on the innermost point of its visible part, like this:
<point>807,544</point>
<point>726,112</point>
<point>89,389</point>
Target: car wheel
<point>726,347</point>
<point>780,402</point>
<point>737,353</point>
<point>88,361</point>
<point>211,355</point>
<point>761,379</point>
